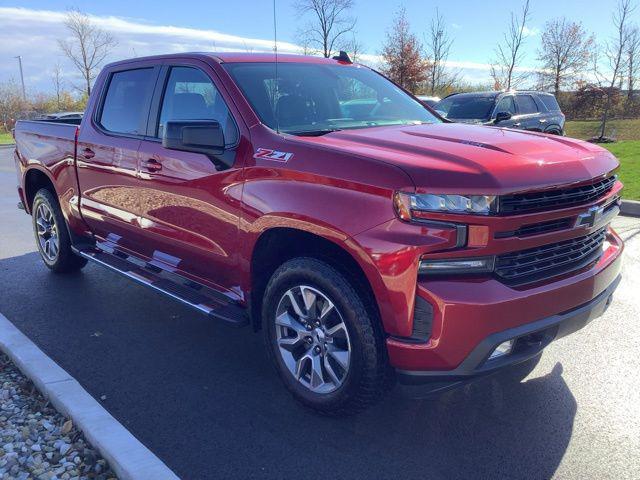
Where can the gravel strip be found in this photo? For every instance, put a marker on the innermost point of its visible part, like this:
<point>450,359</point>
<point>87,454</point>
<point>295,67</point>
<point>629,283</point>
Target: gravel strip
<point>36,442</point>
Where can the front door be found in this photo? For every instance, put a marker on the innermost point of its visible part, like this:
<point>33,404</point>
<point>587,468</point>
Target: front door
<point>507,105</point>
<point>189,205</point>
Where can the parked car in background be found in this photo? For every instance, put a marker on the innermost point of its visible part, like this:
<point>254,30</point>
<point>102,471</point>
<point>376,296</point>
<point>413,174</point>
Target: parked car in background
<point>526,110</point>
<point>73,118</point>
<point>428,101</point>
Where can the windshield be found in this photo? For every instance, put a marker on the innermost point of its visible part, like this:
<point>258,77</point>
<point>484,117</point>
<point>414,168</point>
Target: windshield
<point>467,107</point>
<point>311,99</point>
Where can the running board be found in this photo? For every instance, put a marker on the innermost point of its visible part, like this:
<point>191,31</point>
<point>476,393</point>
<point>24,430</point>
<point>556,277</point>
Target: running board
<point>195,295</point>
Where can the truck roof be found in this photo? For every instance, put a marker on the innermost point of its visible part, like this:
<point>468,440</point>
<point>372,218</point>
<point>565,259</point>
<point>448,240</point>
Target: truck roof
<point>236,57</point>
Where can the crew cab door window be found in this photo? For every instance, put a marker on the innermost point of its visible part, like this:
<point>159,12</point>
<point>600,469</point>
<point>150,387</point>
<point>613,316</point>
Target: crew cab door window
<point>124,109</point>
<point>526,104</point>
<point>191,95</point>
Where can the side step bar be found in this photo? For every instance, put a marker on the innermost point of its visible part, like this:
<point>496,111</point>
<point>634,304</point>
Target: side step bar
<point>195,295</point>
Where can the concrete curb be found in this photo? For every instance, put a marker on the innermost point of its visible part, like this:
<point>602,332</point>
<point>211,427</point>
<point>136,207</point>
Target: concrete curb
<point>128,458</point>
<point>630,208</point>
<point>7,145</point>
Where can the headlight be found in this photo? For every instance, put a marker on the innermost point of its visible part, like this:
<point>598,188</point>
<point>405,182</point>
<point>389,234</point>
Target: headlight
<point>407,204</point>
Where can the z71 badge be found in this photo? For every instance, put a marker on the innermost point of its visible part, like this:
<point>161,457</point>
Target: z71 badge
<point>273,155</point>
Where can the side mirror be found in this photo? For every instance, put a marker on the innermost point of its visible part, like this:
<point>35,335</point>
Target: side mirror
<point>199,136</point>
<point>502,116</point>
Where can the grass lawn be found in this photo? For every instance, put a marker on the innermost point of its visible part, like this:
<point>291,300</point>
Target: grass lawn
<point>623,130</point>
<point>627,149</point>
<point>5,138</point>
<point>629,155</point>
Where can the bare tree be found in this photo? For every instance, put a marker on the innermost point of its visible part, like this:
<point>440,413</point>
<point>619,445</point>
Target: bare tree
<point>402,57</point>
<point>509,54</point>
<point>353,47</point>
<point>12,105</point>
<point>633,61</point>
<point>330,22</point>
<point>438,47</point>
<point>565,51</point>
<point>615,55</point>
<point>58,83</point>
<point>87,45</point>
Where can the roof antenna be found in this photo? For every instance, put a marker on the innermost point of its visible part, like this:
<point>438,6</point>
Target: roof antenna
<point>276,94</point>
<point>343,57</point>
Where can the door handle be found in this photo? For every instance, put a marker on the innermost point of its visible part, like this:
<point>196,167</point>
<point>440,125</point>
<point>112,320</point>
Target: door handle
<point>517,124</point>
<point>88,153</point>
<point>542,120</point>
<point>153,165</point>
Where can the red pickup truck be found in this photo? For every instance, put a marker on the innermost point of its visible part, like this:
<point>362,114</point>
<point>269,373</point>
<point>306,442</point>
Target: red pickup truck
<point>315,200</point>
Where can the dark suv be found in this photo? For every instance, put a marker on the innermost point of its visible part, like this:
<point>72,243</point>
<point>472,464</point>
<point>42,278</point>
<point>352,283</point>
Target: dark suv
<point>536,111</point>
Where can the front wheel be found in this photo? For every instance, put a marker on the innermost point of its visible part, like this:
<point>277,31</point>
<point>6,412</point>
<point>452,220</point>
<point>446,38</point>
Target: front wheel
<point>52,236</point>
<point>321,338</point>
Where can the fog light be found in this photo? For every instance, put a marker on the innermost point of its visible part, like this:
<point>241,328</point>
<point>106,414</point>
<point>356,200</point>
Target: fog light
<point>503,349</point>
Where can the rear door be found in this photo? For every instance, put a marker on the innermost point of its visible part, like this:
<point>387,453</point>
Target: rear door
<point>551,118</point>
<point>528,114</point>
<point>189,206</point>
<point>107,159</point>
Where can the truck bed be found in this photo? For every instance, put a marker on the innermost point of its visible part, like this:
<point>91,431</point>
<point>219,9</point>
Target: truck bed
<point>45,142</point>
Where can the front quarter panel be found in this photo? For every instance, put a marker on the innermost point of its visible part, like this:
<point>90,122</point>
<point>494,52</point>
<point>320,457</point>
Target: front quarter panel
<point>329,194</point>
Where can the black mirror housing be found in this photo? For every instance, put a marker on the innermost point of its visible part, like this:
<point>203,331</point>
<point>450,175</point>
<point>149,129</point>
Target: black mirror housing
<point>502,116</point>
<point>199,136</point>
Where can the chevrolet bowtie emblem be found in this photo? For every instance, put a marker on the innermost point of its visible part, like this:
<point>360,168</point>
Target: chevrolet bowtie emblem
<point>590,218</point>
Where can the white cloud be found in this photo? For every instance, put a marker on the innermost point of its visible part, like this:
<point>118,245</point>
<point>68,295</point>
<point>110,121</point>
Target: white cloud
<point>33,34</point>
<point>530,32</point>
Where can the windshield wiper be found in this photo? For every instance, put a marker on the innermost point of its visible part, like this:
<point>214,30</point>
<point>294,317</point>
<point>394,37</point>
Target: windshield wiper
<point>313,133</point>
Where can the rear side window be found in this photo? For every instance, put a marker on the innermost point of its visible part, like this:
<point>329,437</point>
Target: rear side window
<point>550,102</point>
<point>123,109</point>
<point>526,104</point>
<point>191,95</point>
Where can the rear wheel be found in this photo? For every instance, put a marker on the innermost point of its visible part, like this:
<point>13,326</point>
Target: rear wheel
<point>52,236</point>
<point>322,340</point>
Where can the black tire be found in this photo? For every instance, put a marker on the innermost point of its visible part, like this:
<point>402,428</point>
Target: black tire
<point>64,260</point>
<point>367,376</point>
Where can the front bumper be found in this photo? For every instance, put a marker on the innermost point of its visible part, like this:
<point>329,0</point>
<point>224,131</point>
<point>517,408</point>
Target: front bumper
<point>530,339</point>
<point>471,315</point>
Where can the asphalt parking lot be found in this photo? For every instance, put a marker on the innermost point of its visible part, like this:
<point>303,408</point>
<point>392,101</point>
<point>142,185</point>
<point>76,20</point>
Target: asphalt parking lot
<point>204,399</point>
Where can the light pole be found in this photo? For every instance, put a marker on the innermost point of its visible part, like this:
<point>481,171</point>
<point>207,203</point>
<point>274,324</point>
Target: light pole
<point>24,92</point>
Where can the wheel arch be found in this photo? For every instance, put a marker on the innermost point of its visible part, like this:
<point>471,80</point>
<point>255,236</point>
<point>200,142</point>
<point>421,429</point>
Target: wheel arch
<point>553,129</point>
<point>276,245</point>
<point>34,180</point>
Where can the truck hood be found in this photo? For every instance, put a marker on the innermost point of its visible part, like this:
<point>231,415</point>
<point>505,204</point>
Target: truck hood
<point>458,158</point>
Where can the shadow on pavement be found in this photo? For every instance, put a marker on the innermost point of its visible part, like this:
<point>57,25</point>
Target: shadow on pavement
<point>203,397</point>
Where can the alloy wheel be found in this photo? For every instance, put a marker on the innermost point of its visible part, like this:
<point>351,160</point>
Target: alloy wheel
<point>47,232</point>
<point>312,339</point>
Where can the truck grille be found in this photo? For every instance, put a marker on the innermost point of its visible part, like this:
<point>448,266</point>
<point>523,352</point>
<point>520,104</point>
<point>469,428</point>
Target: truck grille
<point>538,228</point>
<point>538,263</point>
<point>553,199</point>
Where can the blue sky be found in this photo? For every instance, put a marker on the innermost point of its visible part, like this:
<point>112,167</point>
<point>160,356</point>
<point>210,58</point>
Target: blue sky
<point>476,25</point>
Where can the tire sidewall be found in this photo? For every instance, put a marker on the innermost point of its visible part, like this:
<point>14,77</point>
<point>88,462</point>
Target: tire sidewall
<point>65,261</point>
<point>339,291</point>
<point>43,197</point>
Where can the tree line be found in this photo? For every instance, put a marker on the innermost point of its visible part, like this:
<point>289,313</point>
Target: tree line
<point>590,78</point>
